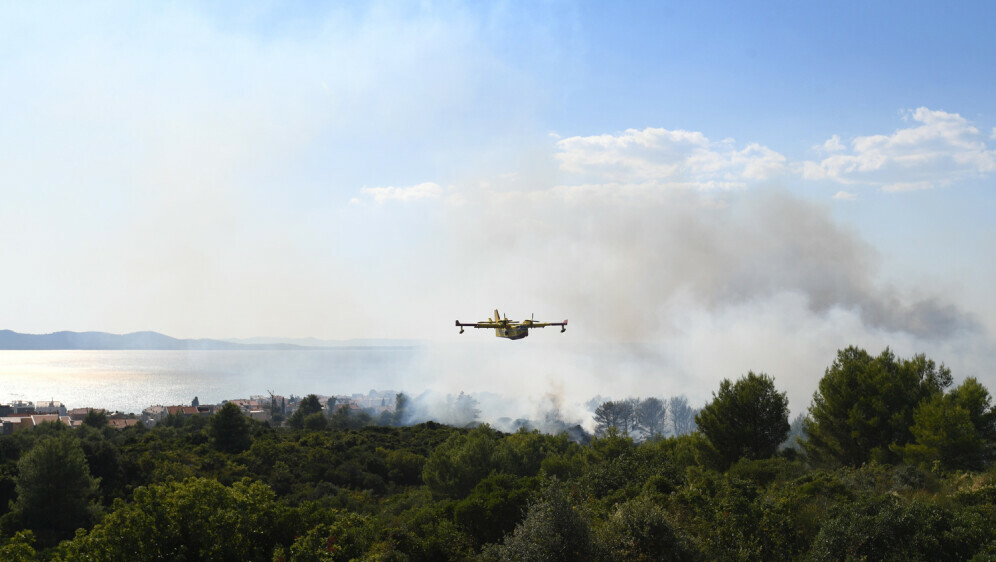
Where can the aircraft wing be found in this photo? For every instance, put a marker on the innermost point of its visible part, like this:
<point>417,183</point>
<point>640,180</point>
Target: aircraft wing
<point>545,324</point>
<point>478,324</point>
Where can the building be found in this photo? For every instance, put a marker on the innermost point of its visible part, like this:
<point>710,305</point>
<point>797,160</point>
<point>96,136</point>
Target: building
<point>154,414</point>
<point>50,407</point>
<point>259,415</point>
<point>182,410</point>
<point>20,406</point>
<point>79,414</point>
<point>37,419</point>
<point>10,424</point>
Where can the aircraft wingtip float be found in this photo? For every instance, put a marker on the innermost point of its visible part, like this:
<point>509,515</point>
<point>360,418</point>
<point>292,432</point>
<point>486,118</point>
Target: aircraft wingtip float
<point>510,329</point>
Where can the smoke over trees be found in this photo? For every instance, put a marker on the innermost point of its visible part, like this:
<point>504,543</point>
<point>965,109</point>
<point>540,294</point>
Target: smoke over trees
<point>436,492</point>
<point>400,407</point>
<point>682,415</point>
<point>651,416</point>
<point>645,418</point>
<point>613,414</point>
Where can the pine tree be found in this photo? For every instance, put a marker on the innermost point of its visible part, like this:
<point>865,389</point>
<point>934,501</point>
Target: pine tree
<point>230,429</point>
<point>748,418</point>
<point>54,487</point>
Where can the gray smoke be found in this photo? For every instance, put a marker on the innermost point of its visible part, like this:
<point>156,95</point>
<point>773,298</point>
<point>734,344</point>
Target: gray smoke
<point>631,259</point>
<point>459,411</point>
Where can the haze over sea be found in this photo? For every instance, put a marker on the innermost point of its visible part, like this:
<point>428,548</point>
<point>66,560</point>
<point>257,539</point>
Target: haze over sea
<point>132,380</point>
<point>508,379</point>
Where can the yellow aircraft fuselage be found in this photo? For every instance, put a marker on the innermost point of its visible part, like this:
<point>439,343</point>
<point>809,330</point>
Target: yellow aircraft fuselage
<point>510,329</point>
<point>512,332</point>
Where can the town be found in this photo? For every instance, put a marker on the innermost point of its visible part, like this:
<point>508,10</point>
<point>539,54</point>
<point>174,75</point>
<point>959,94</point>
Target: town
<point>274,409</point>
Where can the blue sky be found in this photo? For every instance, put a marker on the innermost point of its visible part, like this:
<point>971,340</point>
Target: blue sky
<point>771,180</point>
<point>741,68</point>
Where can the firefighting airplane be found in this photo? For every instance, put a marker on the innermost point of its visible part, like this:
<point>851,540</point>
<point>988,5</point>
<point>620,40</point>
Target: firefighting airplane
<point>505,328</point>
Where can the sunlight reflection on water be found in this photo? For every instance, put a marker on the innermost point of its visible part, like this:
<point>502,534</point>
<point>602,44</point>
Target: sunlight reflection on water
<point>132,380</point>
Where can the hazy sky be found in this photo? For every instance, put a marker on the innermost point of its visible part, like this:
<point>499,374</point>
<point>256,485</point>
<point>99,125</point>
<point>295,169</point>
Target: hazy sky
<point>722,186</point>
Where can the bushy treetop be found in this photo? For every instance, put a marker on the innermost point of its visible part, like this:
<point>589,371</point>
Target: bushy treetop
<point>748,419</point>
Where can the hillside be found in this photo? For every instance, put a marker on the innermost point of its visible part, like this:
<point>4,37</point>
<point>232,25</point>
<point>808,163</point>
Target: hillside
<point>10,340</point>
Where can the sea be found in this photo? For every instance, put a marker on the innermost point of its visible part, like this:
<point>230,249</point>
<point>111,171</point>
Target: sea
<point>130,381</point>
<point>509,380</point>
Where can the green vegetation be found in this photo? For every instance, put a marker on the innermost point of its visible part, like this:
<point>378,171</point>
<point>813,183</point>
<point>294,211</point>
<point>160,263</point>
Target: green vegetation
<point>54,487</point>
<point>306,412</point>
<point>893,466</point>
<point>230,430</point>
<point>748,419</point>
<point>864,407</point>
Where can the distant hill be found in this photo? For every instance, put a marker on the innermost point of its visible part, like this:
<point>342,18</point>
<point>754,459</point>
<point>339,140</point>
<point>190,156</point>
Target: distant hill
<point>138,340</point>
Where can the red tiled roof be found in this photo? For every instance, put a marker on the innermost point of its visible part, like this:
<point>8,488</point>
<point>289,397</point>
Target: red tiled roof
<point>181,410</point>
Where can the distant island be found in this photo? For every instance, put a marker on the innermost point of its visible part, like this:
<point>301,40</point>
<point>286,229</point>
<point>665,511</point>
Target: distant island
<point>138,340</point>
<point>10,340</point>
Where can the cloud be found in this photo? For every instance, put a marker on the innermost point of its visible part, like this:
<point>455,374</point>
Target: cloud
<point>832,145</point>
<point>942,149</point>
<point>426,190</point>
<point>844,196</point>
<point>667,158</point>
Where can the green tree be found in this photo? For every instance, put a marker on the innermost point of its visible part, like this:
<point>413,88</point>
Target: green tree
<point>344,419</point>
<point>522,452</point>
<point>400,409</point>
<point>95,418</point>
<point>651,416</point>
<point>639,530</point>
<point>104,461</point>
<point>974,397</point>
<point>18,548</point>
<point>460,462</point>
<point>404,467</point>
<point>944,434</point>
<point>494,507</point>
<point>230,430</point>
<point>423,530</point>
<point>553,530</point>
<point>864,406</point>
<point>197,519</point>
<point>308,405</point>
<point>955,429</point>
<point>748,419</point>
<point>618,414</point>
<point>889,528</point>
<point>54,487</point>
<point>347,538</point>
<point>316,421</point>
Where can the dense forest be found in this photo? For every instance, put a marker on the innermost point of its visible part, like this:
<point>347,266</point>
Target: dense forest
<point>892,462</point>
